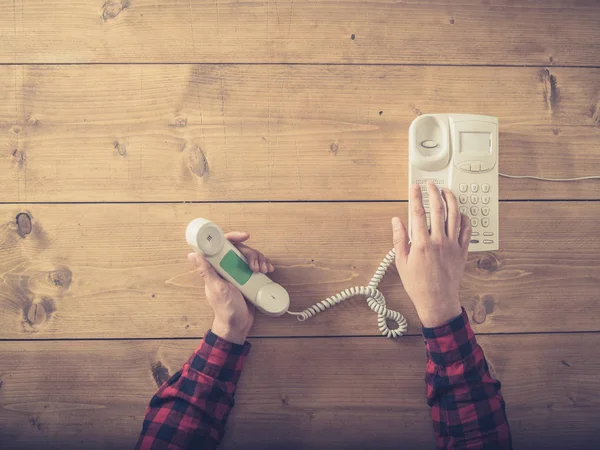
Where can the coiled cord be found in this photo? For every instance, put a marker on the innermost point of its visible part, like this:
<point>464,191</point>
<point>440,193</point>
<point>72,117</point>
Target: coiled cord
<point>375,300</point>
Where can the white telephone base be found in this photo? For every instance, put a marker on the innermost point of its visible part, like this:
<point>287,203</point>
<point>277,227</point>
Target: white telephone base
<point>459,151</point>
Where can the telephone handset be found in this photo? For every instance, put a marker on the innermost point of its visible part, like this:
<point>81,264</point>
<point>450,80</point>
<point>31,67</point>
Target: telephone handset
<point>459,151</point>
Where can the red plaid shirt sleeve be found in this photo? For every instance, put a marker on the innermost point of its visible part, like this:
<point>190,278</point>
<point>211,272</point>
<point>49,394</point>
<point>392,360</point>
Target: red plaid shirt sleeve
<point>191,409</point>
<point>467,409</point>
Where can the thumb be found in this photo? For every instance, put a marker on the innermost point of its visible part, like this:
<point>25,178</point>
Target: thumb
<point>400,236</point>
<point>237,237</point>
<point>205,270</point>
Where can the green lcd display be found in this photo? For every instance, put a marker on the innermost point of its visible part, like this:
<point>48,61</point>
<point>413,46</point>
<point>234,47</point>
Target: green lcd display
<point>236,267</point>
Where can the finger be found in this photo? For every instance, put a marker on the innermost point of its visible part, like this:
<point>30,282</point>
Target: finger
<point>453,222</point>
<point>400,236</point>
<point>437,211</point>
<point>204,268</point>
<point>270,266</point>
<point>465,232</point>
<point>237,237</point>
<point>251,256</point>
<point>419,232</point>
<point>263,263</point>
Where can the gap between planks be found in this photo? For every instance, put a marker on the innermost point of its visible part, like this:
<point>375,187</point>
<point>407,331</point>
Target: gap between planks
<point>250,338</point>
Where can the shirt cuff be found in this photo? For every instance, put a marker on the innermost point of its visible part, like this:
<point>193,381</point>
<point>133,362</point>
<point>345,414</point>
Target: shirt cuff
<point>219,359</point>
<point>451,342</point>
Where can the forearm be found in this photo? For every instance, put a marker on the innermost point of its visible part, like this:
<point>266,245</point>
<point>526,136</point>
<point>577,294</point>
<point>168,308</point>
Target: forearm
<point>467,407</point>
<point>191,409</point>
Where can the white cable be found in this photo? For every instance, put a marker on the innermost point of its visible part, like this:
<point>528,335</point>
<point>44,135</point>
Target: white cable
<point>591,177</point>
<point>375,300</point>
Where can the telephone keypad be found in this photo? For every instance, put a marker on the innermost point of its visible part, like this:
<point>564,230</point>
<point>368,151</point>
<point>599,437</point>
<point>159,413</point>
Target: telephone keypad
<point>468,200</point>
<point>478,216</point>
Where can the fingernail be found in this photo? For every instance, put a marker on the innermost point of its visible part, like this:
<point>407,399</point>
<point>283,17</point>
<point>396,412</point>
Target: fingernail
<point>395,223</point>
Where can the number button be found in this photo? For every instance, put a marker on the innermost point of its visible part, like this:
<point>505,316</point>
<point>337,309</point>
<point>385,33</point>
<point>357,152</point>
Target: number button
<point>474,199</point>
<point>463,209</point>
<point>485,199</point>
<point>485,211</point>
<point>463,199</point>
<point>463,187</point>
<point>485,188</point>
<point>485,222</point>
<point>474,210</point>
<point>474,222</point>
<point>474,188</point>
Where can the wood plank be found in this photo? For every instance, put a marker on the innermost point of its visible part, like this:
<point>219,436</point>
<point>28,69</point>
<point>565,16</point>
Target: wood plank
<point>131,133</point>
<point>119,271</point>
<point>535,32</point>
<point>339,393</point>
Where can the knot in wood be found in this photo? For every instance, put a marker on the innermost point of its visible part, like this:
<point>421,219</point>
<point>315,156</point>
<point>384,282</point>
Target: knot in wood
<point>61,277</point>
<point>120,147</point>
<point>160,373</point>
<point>24,225</point>
<point>197,162</point>
<point>19,158</point>
<point>113,8</point>
<point>487,263</point>
<point>483,307</point>
<point>35,314</point>
<point>180,122</point>
<point>479,314</point>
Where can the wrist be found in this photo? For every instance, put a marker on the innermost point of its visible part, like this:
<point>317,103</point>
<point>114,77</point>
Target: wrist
<point>432,318</point>
<point>228,333</point>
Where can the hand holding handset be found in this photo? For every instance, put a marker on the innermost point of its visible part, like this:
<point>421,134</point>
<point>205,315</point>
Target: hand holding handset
<point>207,239</point>
<point>459,151</point>
<point>272,299</point>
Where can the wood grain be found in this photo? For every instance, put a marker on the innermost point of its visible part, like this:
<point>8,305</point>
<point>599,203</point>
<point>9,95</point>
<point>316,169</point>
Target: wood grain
<point>181,132</point>
<point>338,393</point>
<point>535,32</point>
<point>119,271</point>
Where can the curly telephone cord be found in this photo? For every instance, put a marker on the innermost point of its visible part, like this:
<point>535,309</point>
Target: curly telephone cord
<point>375,300</point>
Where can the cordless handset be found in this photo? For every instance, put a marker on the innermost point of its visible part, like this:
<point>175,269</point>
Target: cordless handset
<point>207,239</point>
<point>459,151</point>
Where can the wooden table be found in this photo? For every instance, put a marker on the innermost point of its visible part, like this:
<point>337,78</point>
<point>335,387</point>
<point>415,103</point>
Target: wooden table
<point>121,121</point>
